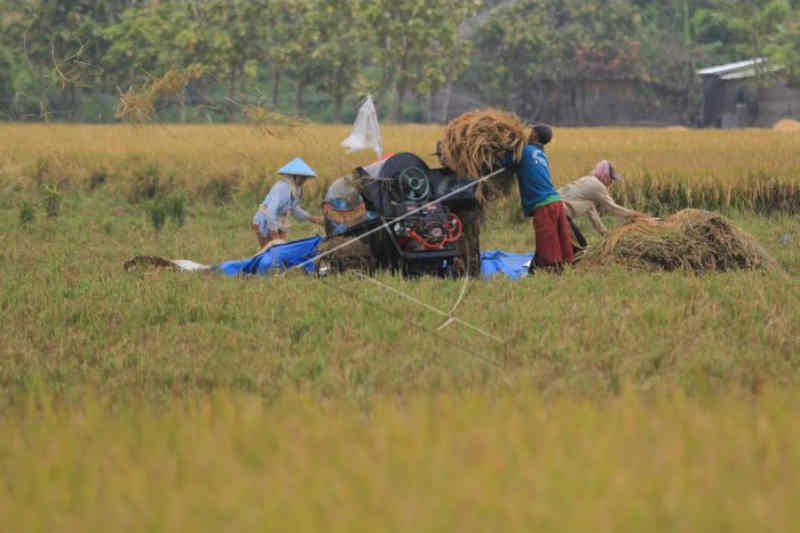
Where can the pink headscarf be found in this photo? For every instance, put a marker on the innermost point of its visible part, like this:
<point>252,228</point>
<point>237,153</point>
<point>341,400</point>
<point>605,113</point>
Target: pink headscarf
<point>604,171</point>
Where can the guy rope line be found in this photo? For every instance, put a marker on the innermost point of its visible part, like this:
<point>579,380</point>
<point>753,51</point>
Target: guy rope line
<point>386,225</point>
<point>433,333</point>
<point>450,318</point>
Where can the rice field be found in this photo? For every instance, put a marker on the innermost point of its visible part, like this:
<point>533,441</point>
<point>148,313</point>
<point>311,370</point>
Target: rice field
<point>664,169</point>
<point>161,401</point>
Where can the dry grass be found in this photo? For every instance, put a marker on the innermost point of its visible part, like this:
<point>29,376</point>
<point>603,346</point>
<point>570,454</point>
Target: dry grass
<point>465,462</point>
<point>688,240</point>
<point>474,142</point>
<point>664,170</point>
<point>137,104</point>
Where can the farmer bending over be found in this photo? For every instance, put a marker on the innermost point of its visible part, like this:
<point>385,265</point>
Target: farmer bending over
<point>271,220</point>
<point>586,195</point>
<point>541,201</point>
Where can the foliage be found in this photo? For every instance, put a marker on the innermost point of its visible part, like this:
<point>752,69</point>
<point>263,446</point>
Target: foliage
<point>26,213</point>
<point>52,199</point>
<point>175,207</point>
<point>53,54</point>
<point>785,48</point>
<point>157,213</point>
<point>570,41</point>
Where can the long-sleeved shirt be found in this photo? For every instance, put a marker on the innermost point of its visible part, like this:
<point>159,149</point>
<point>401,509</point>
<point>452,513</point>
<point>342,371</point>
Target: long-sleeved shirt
<point>279,202</point>
<point>585,195</point>
<point>533,174</point>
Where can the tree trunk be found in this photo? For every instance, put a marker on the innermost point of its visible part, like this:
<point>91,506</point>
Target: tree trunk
<point>43,110</point>
<point>448,94</point>
<point>71,99</point>
<point>231,92</point>
<point>182,106</point>
<point>243,85</point>
<point>337,107</point>
<point>401,96</point>
<point>299,105</point>
<point>429,108</point>
<point>276,89</point>
<point>422,105</point>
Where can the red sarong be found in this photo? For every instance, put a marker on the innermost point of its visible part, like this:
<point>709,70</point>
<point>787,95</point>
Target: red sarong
<point>553,236</point>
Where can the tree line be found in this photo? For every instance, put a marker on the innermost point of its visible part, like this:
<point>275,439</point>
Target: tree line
<point>73,59</point>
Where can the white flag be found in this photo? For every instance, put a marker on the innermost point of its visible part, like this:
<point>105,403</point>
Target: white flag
<point>366,132</point>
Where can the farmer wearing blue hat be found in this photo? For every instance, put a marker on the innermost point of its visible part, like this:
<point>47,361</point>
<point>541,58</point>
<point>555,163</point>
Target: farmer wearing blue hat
<point>271,220</point>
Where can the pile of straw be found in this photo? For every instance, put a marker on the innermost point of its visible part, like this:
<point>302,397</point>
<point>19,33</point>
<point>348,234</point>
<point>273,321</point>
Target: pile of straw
<point>475,141</point>
<point>688,240</point>
<point>787,125</point>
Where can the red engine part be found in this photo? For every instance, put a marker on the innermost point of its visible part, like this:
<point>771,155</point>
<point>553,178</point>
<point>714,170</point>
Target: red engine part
<point>453,229</point>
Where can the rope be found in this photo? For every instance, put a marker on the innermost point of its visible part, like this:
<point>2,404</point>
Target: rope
<point>450,319</point>
<point>434,333</point>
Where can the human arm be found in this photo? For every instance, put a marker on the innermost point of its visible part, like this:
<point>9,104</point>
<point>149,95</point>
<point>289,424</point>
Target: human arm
<point>600,196</point>
<point>302,215</point>
<point>597,223</point>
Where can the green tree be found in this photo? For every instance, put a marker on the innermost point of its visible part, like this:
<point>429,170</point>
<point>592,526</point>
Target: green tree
<point>56,39</point>
<point>531,51</point>
<point>741,29</point>
<point>784,48</point>
<point>340,53</point>
<point>412,41</point>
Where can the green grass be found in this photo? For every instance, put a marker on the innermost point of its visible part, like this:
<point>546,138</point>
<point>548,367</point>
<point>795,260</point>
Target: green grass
<point>73,317</point>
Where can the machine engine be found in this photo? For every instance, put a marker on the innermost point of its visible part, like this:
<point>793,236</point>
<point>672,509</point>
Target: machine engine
<point>429,241</point>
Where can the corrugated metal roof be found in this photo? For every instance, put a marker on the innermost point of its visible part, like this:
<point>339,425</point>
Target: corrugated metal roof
<point>730,68</point>
<point>749,73</point>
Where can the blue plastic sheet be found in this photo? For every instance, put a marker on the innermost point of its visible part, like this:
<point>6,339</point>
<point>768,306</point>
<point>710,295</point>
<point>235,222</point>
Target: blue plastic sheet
<point>514,266</point>
<point>285,256</point>
<point>280,257</point>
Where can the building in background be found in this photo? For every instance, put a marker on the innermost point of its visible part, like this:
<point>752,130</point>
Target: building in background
<point>745,94</point>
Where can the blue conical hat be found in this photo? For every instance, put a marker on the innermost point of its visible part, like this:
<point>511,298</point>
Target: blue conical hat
<point>297,167</point>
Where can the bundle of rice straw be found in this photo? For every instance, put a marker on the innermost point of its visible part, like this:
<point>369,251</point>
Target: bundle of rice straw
<point>688,240</point>
<point>475,141</point>
<point>787,125</point>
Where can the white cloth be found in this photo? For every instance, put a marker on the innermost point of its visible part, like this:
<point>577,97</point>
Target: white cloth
<point>366,132</point>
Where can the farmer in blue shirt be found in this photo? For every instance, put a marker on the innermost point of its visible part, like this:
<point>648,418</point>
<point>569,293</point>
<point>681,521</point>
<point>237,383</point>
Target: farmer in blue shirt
<point>541,201</point>
<point>270,222</point>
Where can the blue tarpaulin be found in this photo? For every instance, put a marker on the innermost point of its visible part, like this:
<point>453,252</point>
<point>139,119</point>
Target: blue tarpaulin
<point>284,256</point>
<point>279,257</point>
<point>514,266</point>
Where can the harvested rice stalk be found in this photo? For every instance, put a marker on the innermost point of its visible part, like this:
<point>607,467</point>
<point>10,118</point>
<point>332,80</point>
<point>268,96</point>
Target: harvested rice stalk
<point>475,141</point>
<point>138,105</point>
<point>273,123</point>
<point>691,239</point>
